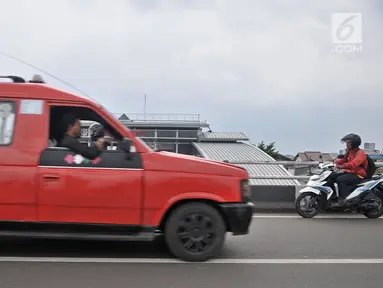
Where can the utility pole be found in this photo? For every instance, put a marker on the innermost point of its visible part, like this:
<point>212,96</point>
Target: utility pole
<point>145,107</point>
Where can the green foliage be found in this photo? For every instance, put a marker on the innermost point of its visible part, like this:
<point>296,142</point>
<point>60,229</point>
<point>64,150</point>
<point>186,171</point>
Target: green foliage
<point>271,150</point>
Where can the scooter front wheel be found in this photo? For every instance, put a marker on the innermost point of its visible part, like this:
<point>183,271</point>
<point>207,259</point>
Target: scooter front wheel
<point>308,205</point>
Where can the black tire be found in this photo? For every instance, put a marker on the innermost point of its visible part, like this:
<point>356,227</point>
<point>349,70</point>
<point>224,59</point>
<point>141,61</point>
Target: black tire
<point>160,243</point>
<point>304,214</point>
<point>210,237</point>
<point>376,213</point>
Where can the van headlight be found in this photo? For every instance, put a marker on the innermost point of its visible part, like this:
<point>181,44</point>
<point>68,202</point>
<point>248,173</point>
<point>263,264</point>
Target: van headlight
<point>245,191</point>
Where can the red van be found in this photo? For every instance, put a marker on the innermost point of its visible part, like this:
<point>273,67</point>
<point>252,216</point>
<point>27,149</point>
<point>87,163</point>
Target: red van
<point>131,193</point>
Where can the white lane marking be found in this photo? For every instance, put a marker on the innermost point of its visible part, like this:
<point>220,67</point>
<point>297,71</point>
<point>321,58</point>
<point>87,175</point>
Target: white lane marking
<point>176,261</point>
<point>316,217</point>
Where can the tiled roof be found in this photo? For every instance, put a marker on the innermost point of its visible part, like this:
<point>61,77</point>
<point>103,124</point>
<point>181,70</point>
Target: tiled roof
<point>334,155</point>
<point>314,156</point>
<point>223,136</point>
<point>246,152</point>
<point>123,117</point>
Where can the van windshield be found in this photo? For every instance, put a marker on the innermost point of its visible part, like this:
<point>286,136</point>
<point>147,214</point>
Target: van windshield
<point>110,114</point>
<point>144,143</point>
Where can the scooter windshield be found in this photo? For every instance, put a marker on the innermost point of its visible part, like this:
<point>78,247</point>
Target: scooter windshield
<point>316,171</point>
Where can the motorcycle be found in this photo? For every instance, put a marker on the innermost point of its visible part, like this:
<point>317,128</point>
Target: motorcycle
<point>366,198</point>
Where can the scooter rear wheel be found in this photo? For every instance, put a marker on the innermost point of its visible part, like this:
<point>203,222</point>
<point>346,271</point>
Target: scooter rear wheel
<point>376,213</point>
<point>312,208</point>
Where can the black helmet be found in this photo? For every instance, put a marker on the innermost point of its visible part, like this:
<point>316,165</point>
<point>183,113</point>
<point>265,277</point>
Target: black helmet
<point>355,140</point>
<point>96,131</point>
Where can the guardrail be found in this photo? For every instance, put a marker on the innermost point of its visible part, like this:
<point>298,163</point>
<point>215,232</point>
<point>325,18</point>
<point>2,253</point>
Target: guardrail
<point>284,163</point>
<point>274,177</point>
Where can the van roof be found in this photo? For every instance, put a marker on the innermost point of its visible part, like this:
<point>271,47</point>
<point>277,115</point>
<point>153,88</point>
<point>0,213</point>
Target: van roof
<point>37,88</point>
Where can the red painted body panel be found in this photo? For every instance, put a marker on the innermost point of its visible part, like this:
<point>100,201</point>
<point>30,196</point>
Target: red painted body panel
<point>87,195</point>
<point>186,177</point>
<point>190,164</point>
<point>18,162</point>
<point>98,195</point>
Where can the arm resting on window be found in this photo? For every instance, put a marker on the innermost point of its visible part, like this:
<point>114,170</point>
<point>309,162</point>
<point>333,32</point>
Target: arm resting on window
<point>87,152</point>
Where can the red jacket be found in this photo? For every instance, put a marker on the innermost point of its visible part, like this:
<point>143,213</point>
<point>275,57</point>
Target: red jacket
<point>354,161</point>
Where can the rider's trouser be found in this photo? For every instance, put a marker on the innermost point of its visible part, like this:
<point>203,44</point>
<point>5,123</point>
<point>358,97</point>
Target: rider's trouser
<point>346,182</point>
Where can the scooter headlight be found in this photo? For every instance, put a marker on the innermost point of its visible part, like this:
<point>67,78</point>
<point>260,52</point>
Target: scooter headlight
<point>315,177</point>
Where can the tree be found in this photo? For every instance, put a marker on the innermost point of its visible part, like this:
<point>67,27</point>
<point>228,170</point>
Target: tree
<point>271,150</point>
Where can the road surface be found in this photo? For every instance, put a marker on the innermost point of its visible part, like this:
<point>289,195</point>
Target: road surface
<point>281,251</point>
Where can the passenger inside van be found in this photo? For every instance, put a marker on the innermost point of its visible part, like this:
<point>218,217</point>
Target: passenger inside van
<point>96,131</point>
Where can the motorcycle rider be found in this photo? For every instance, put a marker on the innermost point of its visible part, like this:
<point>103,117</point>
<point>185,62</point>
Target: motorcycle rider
<point>354,165</point>
<point>96,131</point>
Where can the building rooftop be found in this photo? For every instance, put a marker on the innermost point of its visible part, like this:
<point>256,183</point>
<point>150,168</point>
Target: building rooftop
<point>223,136</point>
<point>313,156</point>
<point>246,152</point>
<point>158,117</point>
<point>165,123</point>
<point>219,146</point>
<point>156,120</point>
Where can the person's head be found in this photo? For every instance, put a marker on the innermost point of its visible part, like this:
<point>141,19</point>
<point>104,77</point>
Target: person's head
<point>71,125</point>
<point>352,141</point>
<point>96,131</point>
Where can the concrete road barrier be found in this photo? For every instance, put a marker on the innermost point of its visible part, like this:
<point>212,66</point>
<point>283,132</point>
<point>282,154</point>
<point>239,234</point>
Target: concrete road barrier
<point>274,198</point>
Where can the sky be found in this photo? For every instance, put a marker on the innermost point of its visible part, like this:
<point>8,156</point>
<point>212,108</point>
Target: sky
<point>265,67</point>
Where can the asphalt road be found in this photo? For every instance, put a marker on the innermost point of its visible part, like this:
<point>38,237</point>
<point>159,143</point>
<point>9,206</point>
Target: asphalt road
<point>280,252</point>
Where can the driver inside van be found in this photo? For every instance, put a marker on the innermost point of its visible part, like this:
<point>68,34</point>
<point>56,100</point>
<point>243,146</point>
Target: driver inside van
<point>72,128</point>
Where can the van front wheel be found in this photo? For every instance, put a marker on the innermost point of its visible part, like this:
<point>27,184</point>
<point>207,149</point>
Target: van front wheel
<point>195,232</point>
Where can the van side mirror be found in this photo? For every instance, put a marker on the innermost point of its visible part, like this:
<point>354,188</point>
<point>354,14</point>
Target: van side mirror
<point>125,145</point>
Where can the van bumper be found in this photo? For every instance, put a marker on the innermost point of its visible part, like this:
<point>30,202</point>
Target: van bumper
<point>238,216</point>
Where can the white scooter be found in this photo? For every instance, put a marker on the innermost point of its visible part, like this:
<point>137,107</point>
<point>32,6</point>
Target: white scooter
<point>367,198</point>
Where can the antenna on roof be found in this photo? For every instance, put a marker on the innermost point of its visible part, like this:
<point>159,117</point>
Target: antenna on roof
<point>37,79</point>
<point>42,71</point>
<point>145,107</point>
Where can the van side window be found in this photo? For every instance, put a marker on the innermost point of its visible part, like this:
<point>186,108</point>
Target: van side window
<point>87,117</point>
<point>7,122</point>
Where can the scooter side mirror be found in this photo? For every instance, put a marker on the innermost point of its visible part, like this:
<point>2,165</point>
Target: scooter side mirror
<point>340,156</point>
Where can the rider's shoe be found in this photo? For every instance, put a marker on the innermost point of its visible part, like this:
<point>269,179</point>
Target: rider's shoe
<point>340,203</point>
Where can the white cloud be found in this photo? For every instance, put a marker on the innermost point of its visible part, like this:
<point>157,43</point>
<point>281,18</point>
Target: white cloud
<point>246,52</point>
<point>278,45</point>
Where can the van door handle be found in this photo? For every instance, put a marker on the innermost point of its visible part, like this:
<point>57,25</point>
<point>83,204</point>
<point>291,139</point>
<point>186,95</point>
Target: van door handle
<point>51,177</point>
